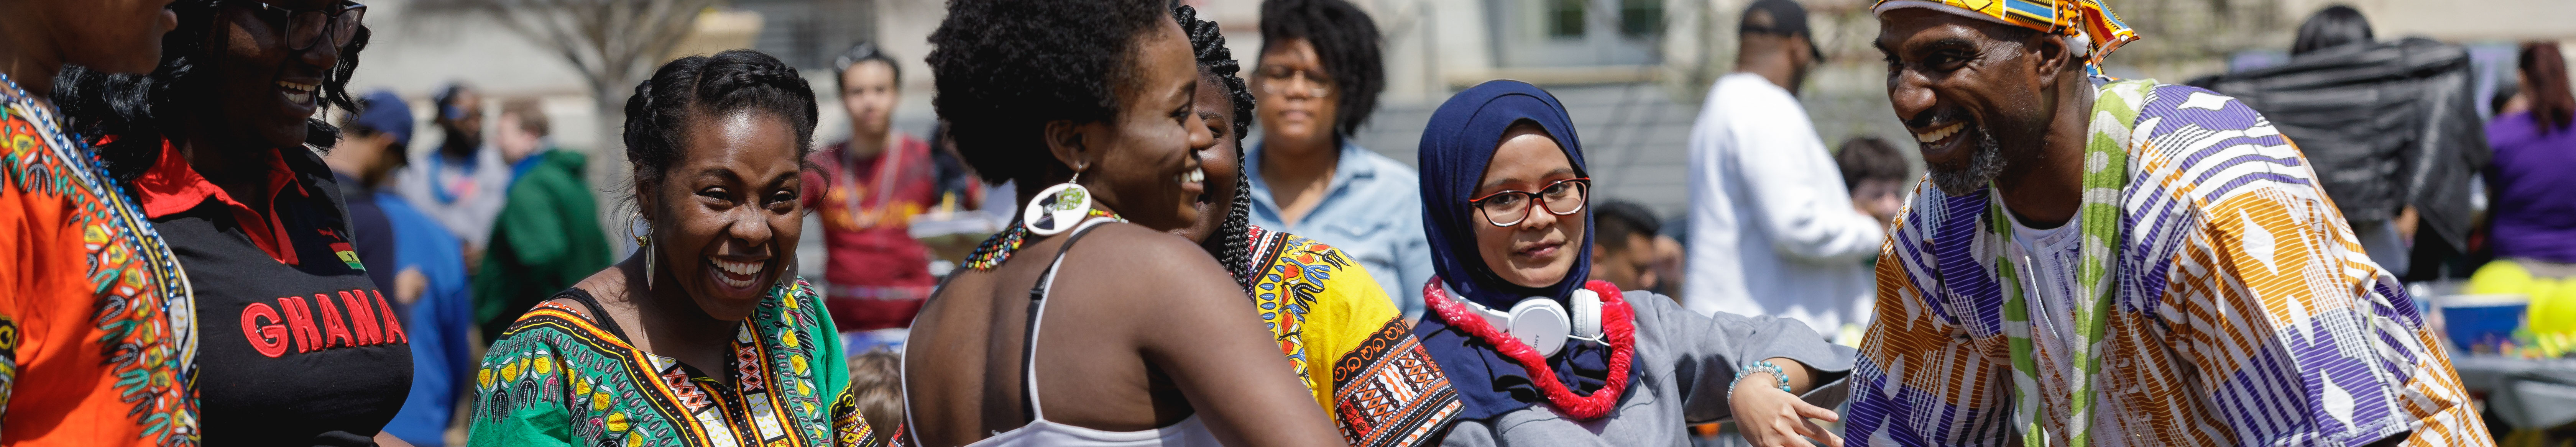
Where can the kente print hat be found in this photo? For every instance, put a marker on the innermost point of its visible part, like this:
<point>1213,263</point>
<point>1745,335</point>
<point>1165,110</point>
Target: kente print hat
<point>2089,19</point>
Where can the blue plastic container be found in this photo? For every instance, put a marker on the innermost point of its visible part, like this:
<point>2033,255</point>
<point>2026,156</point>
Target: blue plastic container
<point>2471,326</point>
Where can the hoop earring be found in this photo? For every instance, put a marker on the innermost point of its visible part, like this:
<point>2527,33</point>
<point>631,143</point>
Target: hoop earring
<point>641,230</point>
<point>1058,207</point>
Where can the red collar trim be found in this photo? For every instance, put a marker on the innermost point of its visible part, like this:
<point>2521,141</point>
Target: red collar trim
<point>172,186</point>
<point>1617,322</point>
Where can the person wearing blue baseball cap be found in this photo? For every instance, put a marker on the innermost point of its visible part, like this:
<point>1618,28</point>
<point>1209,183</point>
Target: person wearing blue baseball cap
<point>372,143</point>
<point>425,268</point>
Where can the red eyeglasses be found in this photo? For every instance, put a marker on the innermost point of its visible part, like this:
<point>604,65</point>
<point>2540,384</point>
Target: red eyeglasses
<point>1507,207</point>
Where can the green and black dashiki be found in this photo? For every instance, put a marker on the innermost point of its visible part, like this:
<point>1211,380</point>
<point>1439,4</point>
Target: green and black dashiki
<point>559,378</point>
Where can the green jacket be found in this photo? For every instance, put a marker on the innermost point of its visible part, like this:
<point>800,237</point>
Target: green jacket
<point>546,238</point>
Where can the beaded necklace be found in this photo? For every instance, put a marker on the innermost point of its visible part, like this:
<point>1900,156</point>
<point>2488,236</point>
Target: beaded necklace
<point>999,248</point>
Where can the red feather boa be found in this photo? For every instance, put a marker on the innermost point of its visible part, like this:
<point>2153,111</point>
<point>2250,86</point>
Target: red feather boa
<point>1617,323</point>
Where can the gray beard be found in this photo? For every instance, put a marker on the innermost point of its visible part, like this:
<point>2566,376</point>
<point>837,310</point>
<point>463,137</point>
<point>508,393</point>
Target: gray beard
<point>1982,168</point>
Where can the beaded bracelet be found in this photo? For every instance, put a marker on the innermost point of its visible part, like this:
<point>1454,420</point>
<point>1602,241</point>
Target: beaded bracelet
<point>1763,366</point>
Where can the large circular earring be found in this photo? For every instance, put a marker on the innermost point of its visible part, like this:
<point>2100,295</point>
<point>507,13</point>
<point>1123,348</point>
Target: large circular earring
<point>1058,207</point>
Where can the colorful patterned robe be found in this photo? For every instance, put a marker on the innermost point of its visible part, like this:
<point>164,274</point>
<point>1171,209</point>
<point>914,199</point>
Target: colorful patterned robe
<point>97,327</point>
<point>559,379</point>
<point>1348,344</point>
<point>2245,312</point>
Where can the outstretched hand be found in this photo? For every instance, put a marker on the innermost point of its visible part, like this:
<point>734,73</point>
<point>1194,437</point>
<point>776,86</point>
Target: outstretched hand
<point>1769,417</point>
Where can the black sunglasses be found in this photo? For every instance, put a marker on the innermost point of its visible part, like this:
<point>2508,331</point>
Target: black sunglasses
<point>305,27</point>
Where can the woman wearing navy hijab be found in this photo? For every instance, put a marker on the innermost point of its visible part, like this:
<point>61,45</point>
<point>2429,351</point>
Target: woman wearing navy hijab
<point>1539,354</point>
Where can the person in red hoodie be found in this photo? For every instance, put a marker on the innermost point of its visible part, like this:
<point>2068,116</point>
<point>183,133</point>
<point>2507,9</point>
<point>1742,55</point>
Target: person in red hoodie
<point>866,190</point>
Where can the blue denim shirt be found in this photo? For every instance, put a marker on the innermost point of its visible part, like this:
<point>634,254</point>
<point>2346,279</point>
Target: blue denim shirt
<point>1372,210</point>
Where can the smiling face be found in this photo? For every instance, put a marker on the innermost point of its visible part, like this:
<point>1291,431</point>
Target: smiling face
<point>113,36</point>
<point>1144,163</point>
<point>868,93</point>
<point>1298,102</point>
<point>1540,250</point>
<point>725,214</point>
<point>1216,112</point>
<point>263,91</point>
<point>1967,88</point>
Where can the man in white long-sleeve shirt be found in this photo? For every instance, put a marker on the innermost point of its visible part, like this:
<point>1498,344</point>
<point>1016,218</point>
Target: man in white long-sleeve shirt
<point>1772,229</point>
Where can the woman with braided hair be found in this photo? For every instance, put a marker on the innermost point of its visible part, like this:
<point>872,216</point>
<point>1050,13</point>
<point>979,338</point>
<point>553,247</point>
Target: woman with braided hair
<point>704,337</point>
<point>1343,337</point>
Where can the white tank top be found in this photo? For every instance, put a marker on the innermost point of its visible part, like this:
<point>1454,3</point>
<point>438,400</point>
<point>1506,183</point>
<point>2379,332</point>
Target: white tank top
<point>1040,431</point>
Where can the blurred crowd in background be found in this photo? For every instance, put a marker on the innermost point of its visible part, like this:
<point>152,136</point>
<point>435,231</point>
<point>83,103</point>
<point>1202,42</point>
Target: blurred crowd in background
<point>2448,158</point>
<point>477,162</point>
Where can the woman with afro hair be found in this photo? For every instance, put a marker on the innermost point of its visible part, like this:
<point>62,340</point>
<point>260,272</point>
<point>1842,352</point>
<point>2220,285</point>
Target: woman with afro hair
<point>1084,323</point>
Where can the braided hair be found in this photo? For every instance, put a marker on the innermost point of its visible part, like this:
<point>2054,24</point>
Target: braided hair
<point>707,86</point>
<point>1231,243</point>
<point>141,110</point>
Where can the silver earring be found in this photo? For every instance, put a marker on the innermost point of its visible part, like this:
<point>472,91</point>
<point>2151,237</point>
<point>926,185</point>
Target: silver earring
<point>642,242</point>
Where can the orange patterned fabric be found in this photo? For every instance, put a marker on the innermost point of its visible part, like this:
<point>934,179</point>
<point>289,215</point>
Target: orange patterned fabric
<point>2246,313</point>
<point>96,331</point>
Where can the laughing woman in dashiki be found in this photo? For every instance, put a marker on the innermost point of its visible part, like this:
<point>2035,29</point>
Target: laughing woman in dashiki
<point>702,338</point>
<point>1343,336</point>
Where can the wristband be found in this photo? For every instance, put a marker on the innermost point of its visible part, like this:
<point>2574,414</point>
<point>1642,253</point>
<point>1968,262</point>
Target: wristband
<point>1764,366</point>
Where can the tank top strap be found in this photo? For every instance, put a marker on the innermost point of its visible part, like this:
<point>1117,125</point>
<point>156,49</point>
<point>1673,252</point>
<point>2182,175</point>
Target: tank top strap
<point>1037,307</point>
<point>597,315</point>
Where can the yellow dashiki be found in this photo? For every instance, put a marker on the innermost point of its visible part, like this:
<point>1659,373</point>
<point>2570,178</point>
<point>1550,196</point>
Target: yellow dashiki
<point>1335,324</point>
<point>560,378</point>
<point>2244,311</point>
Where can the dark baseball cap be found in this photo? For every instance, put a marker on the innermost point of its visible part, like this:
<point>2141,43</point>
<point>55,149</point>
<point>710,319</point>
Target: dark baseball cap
<point>1787,19</point>
<point>383,111</point>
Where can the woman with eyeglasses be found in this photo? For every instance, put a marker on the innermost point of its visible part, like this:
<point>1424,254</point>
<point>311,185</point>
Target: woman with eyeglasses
<point>1317,78</point>
<point>220,144</point>
<point>87,290</point>
<point>1543,355</point>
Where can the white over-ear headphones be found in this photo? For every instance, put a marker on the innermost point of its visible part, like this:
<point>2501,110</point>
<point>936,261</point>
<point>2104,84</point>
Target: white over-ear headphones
<point>1543,324</point>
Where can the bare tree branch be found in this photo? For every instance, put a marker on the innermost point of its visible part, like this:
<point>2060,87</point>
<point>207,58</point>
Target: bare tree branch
<point>611,43</point>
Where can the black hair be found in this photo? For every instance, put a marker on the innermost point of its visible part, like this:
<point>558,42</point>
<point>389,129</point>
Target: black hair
<point>142,110</point>
<point>1614,220</point>
<point>1346,42</point>
<point>1869,158</point>
<point>1231,243</point>
<point>864,52</point>
<point>657,117</point>
<point>2332,27</point>
<point>1004,68</point>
